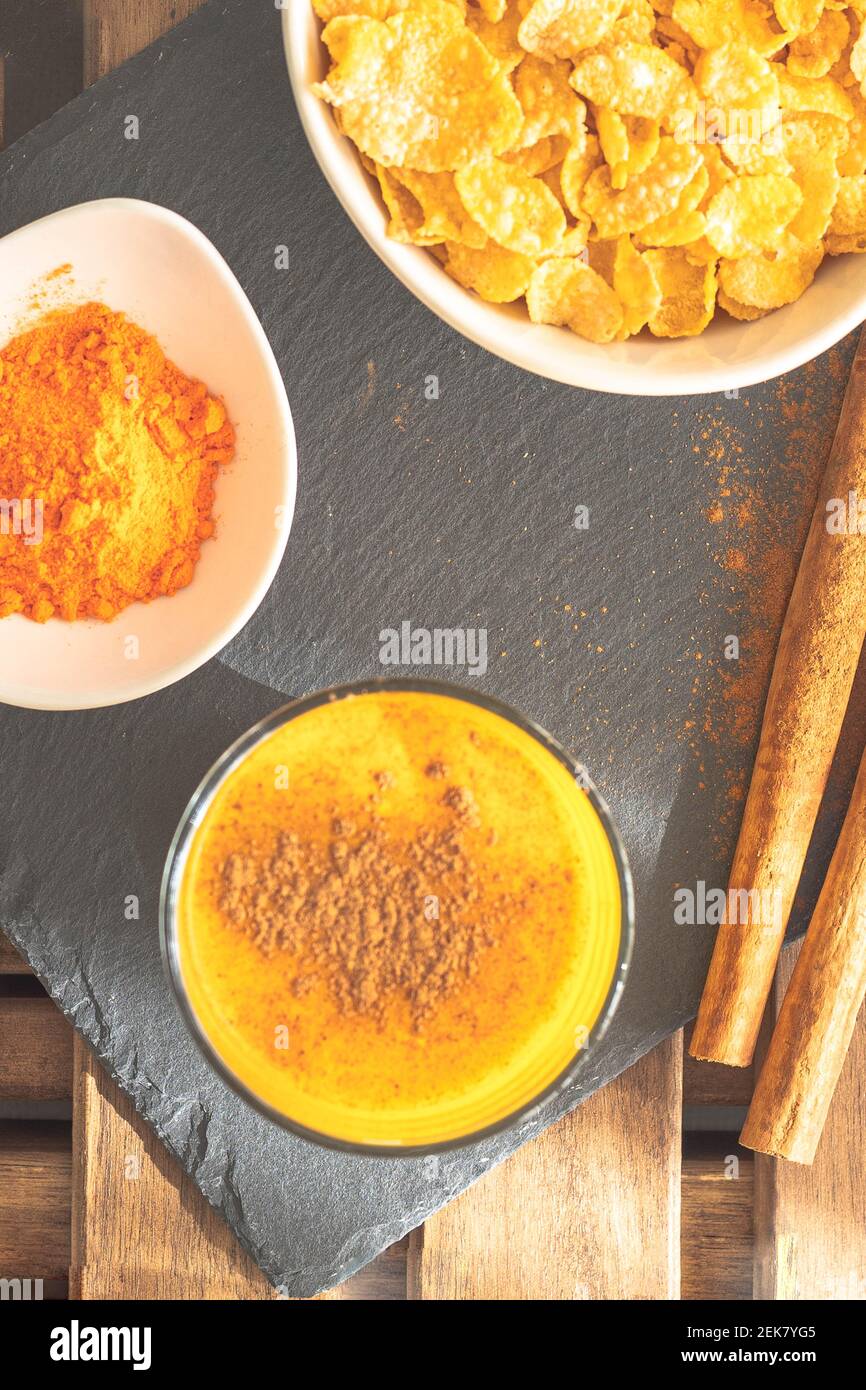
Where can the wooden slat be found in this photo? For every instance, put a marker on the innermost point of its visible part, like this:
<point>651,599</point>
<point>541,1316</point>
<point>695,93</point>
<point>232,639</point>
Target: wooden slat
<point>717,1219</point>
<point>810,1233</point>
<point>35,1051</point>
<point>11,962</point>
<point>383,1280</point>
<point>140,1227</point>
<point>710,1083</point>
<point>115,30</point>
<point>589,1210</point>
<point>35,1166</point>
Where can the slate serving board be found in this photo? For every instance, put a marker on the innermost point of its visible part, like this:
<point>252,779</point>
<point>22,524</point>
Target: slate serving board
<point>453,512</point>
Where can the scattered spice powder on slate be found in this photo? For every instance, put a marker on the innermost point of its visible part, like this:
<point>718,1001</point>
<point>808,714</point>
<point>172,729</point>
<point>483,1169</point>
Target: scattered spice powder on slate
<point>756,544</point>
<point>371,916</point>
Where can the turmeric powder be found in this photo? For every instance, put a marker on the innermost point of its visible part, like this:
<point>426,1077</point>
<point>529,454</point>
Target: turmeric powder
<point>119,451</point>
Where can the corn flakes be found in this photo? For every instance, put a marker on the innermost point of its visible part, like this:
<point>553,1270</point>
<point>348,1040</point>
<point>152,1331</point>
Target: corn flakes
<point>621,165</point>
<point>688,294</point>
<point>516,210</point>
<point>419,90</point>
<point>751,212</point>
<point>566,291</point>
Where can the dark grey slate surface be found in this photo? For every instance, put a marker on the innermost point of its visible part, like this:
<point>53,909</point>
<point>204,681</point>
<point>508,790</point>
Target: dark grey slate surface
<point>456,512</point>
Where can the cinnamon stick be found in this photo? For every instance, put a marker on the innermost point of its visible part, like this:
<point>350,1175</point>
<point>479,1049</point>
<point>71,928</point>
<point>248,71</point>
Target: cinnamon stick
<point>815,665</point>
<point>820,1009</point>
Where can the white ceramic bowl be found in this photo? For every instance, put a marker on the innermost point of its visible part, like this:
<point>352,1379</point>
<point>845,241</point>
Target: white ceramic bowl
<point>726,356</point>
<point>164,274</point>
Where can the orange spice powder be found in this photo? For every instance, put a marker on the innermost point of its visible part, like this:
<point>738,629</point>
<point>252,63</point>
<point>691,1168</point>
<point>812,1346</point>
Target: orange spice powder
<point>755,548</point>
<point>113,452</point>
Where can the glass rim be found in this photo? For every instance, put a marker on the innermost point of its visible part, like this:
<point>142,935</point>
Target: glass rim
<point>197,807</point>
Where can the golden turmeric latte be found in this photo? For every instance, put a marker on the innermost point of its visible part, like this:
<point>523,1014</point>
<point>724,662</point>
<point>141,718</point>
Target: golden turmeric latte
<point>114,452</point>
<point>399,918</point>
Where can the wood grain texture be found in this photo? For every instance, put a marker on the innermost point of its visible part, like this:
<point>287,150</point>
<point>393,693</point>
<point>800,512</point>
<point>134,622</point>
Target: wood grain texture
<point>140,1226</point>
<point>35,1164</point>
<point>115,30</point>
<point>588,1210</point>
<point>810,1234</point>
<point>35,1051</point>
<point>381,1281</point>
<point>712,1083</point>
<point>11,962</point>
<point>717,1219</point>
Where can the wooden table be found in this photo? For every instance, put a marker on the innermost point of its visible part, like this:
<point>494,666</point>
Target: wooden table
<point>640,1194</point>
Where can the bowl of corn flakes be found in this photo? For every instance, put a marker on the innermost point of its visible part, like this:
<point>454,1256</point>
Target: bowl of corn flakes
<point>652,197</point>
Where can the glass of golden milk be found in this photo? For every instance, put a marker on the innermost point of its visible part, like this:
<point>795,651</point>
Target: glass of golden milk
<point>397,916</point>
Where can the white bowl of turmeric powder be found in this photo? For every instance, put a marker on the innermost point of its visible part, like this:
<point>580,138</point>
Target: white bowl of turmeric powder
<point>147,456</point>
